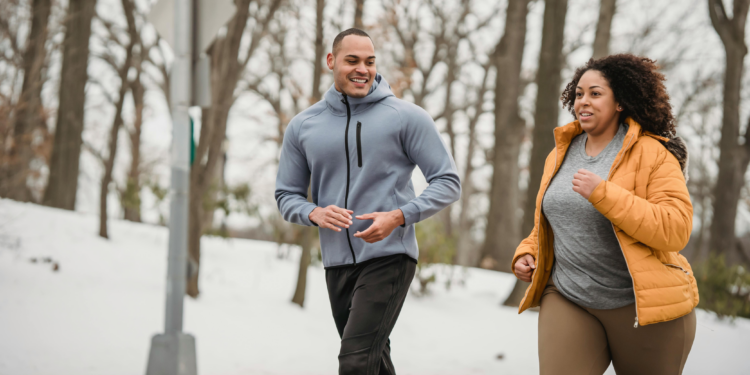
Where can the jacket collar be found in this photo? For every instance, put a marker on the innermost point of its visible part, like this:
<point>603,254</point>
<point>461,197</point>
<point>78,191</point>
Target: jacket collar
<point>379,91</point>
<point>564,136</point>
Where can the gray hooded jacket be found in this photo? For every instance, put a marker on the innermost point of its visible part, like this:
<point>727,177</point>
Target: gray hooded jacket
<point>360,154</point>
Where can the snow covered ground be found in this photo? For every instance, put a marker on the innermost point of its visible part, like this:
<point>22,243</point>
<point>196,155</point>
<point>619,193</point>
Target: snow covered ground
<point>97,313</point>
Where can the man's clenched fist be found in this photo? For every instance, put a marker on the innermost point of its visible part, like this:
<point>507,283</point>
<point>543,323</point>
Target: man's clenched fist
<point>331,217</point>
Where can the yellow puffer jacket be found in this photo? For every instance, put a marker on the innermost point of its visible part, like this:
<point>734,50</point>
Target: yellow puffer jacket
<point>647,201</point>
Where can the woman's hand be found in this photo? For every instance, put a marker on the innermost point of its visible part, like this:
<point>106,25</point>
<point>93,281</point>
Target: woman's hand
<point>525,267</point>
<point>584,182</point>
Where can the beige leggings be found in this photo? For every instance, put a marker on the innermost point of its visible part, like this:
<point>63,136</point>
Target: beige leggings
<point>578,340</point>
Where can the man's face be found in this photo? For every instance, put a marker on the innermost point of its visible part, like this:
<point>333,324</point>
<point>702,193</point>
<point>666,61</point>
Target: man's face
<point>353,66</point>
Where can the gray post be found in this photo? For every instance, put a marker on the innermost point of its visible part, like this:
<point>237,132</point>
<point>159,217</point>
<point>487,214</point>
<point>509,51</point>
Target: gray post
<point>173,353</point>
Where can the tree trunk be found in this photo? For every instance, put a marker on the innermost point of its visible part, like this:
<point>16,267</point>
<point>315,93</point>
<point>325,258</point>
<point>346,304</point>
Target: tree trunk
<point>545,118</point>
<point>359,6</point>
<point>132,194</point>
<point>213,191</point>
<point>503,222</point>
<point>319,50</point>
<point>225,72</point>
<point>109,164</point>
<point>516,295</point>
<point>733,157</point>
<point>66,150</point>
<point>607,10</point>
<point>445,216</point>
<point>466,252</point>
<point>29,111</point>
<point>547,102</point>
<point>304,263</point>
<point>307,242</point>
<point>308,233</point>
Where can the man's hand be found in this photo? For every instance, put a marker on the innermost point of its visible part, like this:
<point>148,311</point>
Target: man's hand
<point>584,182</point>
<point>331,217</point>
<point>383,223</point>
<point>525,267</point>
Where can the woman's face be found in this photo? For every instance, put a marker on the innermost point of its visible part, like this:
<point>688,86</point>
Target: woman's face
<point>595,105</point>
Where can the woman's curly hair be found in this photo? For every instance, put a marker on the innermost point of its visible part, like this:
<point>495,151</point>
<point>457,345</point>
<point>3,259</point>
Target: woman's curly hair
<point>638,87</point>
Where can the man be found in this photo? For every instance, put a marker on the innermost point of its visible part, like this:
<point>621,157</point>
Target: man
<point>360,145</point>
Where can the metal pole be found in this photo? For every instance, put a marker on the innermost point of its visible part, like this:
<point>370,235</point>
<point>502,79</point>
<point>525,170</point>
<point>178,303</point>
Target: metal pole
<point>180,87</point>
<point>173,353</point>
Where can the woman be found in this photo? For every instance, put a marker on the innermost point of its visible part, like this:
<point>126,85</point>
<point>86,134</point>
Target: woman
<point>612,214</point>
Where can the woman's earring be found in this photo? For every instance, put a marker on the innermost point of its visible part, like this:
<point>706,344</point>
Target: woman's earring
<point>619,108</point>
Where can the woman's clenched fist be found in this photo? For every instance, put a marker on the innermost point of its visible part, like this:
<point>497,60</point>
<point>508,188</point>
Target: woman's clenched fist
<point>525,267</point>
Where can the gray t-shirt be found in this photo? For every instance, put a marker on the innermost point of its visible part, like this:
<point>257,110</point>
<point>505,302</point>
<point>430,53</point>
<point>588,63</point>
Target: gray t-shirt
<point>589,268</point>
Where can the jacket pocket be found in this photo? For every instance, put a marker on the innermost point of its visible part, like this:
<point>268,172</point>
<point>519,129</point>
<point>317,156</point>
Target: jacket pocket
<point>359,144</point>
<point>677,267</point>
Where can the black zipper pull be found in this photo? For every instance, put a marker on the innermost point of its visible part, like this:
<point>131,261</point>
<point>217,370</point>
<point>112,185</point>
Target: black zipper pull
<point>359,144</point>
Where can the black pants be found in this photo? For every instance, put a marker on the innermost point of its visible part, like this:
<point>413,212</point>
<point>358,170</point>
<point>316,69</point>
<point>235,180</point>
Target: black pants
<point>366,300</point>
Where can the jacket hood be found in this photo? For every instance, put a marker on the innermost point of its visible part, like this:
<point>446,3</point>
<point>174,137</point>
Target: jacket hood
<point>379,91</point>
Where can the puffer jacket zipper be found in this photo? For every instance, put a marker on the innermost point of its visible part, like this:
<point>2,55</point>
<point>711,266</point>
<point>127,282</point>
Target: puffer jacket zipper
<point>609,176</point>
<point>359,144</point>
<point>348,173</point>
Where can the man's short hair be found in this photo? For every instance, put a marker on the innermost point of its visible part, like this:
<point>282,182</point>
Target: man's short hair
<point>340,37</point>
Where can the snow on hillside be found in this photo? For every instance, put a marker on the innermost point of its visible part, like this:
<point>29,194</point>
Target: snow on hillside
<point>96,314</point>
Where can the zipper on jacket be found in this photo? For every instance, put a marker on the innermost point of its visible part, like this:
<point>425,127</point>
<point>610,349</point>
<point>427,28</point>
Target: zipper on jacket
<point>359,144</point>
<point>609,175</point>
<point>346,197</point>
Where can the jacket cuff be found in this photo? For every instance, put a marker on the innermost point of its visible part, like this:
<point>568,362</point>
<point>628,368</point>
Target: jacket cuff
<point>411,214</point>
<point>306,210</point>
<point>605,197</point>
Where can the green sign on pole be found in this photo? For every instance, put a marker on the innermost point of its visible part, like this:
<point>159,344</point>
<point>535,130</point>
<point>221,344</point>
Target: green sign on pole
<point>192,141</point>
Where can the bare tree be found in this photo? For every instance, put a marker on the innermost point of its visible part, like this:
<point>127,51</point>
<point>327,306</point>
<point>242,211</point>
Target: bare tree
<point>456,26</point>
<point>607,10</point>
<point>735,156</point>
<point>503,225</point>
<point>122,69</point>
<point>29,114</point>
<point>450,26</point>
<point>546,114</point>
<point>150,66</point>
<point>319,50</point>
<point>64,162</point>
<point>226,69</point>
<point>696,108</point>
<point>467,253</point>
<point>308,234</point>
<point>404,19</point>
<point>130,195</point>
<point>548,80</point>
<point>157,60</point>
<point>11,69</point>
<point>359,6</point>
